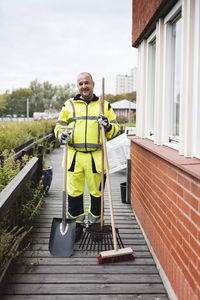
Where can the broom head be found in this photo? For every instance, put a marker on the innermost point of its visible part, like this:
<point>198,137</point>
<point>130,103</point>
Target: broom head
<point>115,256</point>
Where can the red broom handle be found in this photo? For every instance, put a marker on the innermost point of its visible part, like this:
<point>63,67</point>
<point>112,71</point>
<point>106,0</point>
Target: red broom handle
<point>109,188</point>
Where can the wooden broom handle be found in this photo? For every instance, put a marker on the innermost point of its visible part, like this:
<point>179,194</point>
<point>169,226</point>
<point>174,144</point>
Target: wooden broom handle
<point>109,188</point>
<point>101,109</point>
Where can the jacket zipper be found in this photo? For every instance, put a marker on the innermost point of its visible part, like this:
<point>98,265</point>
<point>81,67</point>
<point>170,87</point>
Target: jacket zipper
<point>86,127</point>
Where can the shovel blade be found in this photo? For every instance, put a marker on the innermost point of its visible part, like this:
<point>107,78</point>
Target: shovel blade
<point>62,244</point>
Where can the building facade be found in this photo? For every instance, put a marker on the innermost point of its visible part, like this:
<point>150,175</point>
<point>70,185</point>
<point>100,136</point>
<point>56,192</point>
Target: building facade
<point>165,154</point>
<point>126,83</point>
<point>123,108</point>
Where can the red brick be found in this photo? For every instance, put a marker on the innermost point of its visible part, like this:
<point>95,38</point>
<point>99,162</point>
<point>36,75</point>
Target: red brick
<point>190,253</point>
<point>183,230</point>
<point>171,184</point>
<point>186,291</point>
<point>194,272</point>
<point>172,195</point>
<point>183,256</point>
<point>188,277</point>
<point>180,179</point>
<point>183,206</point>
<point>189,225</point>
<point>172,173</point>
<point>195,189</point>
<point>189,198</point>
<point>176,234</point>
<point>186,182</point>
<point>195,218</point>
<point>195,245</point>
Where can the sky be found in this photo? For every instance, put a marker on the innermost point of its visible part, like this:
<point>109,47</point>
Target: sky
<point>55,40</point>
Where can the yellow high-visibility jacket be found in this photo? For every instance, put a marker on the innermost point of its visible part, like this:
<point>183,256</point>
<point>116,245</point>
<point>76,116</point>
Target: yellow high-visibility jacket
<point>83,118</point>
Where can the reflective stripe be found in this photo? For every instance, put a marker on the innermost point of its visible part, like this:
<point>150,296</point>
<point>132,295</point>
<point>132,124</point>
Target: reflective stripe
<point>58,132</point>
<point>83,118</point>
<point>62,123</point>
<point>73,108</point>
<point>78,219</point>
<point>113,131</point>
<point>93,219</point>
<point>87,145</point>
<point>74,116</point>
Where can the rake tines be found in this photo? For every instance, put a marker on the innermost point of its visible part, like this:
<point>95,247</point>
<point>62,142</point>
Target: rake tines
<point>97,238</point>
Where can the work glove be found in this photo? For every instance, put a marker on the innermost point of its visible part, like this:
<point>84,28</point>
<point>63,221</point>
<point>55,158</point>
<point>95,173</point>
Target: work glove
<point>65,137</point>
<point>103,120</point>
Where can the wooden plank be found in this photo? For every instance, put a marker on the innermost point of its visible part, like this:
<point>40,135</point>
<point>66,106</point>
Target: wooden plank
<point>85,278</point>
<point>97,289</point>
<point>89,297</point>
<point>71,261</point>
<point>92,269</point>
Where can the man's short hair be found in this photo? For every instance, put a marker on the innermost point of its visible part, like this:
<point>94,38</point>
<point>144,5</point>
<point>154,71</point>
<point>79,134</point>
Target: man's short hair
<point>85,73</point>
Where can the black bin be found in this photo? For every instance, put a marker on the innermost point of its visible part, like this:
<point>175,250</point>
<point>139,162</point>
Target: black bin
<point>123,191</point>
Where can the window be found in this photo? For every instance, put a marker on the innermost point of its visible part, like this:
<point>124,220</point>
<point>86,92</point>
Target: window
<point>151,84</point>
<point>172,76</point>
<point>176,76</point>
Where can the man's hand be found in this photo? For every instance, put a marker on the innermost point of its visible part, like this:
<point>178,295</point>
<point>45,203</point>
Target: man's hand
<point>103,120</point>
<point>65,137</point>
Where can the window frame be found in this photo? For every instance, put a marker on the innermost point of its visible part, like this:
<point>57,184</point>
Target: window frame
<point>150,92</point>
<point>168,90</point>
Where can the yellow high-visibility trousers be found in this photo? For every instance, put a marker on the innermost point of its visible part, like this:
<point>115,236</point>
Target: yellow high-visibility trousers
<point>81,169</point>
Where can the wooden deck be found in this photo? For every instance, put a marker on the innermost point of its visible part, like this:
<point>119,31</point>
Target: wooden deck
<point>38,275</point>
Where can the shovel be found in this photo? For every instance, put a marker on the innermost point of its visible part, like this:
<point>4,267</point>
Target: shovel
<point>63,231</point>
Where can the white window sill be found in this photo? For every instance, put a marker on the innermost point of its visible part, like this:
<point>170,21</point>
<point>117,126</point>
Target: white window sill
<point>172,145</point>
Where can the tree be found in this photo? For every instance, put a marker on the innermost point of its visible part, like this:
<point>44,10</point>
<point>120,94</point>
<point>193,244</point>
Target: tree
<point>3,102</point>
<point>114,98</point>
<point>36,97</point>
<point>64,93</point>
<point>18,101</point>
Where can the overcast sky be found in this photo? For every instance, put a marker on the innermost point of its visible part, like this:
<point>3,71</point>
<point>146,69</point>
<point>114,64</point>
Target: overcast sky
<point>54,40</point>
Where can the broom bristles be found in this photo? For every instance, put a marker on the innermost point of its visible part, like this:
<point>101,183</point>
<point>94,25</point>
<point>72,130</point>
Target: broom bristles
<point>115,256</point>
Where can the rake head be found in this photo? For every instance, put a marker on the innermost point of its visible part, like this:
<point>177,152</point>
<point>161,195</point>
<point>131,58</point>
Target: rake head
<point>97,238</point>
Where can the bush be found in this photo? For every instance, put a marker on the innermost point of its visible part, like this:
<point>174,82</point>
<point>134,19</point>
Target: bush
<point>13,134</point>
<point>29,205</point>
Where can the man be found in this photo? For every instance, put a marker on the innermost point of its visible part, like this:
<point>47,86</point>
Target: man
<point>82,114</point>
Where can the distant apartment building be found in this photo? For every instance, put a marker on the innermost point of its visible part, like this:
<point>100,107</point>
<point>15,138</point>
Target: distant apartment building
<point>126,83</point>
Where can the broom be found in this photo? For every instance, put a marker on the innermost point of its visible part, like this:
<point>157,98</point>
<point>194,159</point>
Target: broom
<point>116,254</point>
<point>99,235</point>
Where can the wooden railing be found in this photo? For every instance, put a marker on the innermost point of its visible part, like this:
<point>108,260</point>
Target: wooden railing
<point>10,194</point>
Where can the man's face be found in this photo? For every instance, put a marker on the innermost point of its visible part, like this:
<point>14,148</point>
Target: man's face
<point>85,86</point>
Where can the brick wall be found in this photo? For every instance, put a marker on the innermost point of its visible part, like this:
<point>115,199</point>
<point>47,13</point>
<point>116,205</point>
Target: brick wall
<point>166,201</point>
<point>142,13</point>
<point>145,14</point>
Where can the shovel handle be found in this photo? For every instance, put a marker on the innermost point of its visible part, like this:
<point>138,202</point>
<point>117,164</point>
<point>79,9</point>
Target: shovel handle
<point>65,183</point>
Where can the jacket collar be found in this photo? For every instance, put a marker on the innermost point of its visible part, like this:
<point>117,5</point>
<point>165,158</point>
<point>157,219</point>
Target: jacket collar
<point>78,97</point>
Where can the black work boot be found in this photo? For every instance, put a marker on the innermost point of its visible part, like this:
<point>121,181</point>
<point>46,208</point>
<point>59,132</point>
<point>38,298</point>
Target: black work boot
<point>79,231</point>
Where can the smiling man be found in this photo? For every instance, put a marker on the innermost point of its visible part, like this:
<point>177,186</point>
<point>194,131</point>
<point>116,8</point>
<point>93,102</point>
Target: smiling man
<point>82,114</point>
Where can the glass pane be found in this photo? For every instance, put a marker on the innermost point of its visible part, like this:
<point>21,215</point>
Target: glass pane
<point>151,95</point>
<point>176,33</point>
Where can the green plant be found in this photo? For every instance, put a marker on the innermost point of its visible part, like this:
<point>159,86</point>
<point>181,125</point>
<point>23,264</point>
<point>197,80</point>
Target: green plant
<point>12,136</point>
<point>30,202</point>
<point>9,240</point>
